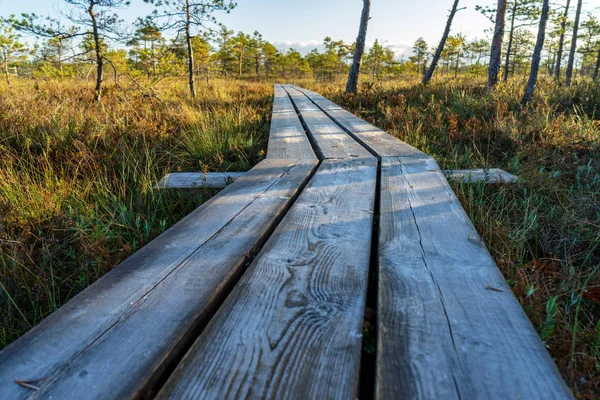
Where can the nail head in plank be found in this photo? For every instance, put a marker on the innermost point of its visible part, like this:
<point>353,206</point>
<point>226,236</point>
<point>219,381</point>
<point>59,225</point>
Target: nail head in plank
<point>292,326</point>
<point>442,332</point>
<point>57,343</point>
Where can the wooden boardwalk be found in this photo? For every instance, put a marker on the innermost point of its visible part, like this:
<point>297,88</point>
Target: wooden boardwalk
<point>261,292</point>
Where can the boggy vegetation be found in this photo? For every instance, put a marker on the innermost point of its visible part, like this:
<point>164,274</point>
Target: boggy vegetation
<point>76,183</point>
<point>76,178</point>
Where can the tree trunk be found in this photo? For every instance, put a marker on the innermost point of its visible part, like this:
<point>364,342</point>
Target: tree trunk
<point>496,52</point>
<point>6,67</point>
<point>153,58</point>
<point>98,50</point>
<point>352,83</point>
<point>561,41</point>
<point>597,67</point>
<point>571,62</point>
<point>511,36</point>
<point>438,51</point>
<point>190,49</point>
<point>241,61</point>
<point>258,66</point>
<point>457,65</point>
<point>551,64</point>
<point>60,56</point>
<point>537,55</point>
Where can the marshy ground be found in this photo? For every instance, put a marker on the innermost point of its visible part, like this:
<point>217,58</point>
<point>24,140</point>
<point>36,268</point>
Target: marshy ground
<point>76,182</point>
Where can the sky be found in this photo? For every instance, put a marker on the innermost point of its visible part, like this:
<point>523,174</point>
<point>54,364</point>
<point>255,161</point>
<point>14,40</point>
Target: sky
<point>303,24</point>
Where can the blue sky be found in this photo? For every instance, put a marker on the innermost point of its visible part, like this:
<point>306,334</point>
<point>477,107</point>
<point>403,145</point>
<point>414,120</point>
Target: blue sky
<point>304,23</point>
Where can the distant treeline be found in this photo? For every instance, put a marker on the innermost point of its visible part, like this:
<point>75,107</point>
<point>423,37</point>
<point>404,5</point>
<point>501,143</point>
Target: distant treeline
<point>182,38</point>
<point>224,53</point>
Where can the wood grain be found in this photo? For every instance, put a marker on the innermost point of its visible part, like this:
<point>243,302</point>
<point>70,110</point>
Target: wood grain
<point>377,141</point>
<point>114,338</point>
<point>287,139</point>
<point>195,180</point>
<point>291,329</point>
<point>492,175</point>
<point>331,141</point>
<point>448,324</point>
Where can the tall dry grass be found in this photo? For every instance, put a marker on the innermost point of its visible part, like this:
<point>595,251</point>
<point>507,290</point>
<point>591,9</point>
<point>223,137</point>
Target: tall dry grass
<point>76,178</point>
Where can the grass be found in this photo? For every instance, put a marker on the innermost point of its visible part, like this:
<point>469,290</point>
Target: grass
<point>76,178</point>
<point>543,232</point>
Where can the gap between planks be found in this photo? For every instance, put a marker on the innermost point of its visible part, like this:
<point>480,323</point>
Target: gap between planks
<point>292,327</point>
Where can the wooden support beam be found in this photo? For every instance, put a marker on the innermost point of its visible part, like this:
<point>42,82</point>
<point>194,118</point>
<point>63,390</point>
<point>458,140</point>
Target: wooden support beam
<point>216,180</point>
<point>196,180</point>
<point>492,175</point>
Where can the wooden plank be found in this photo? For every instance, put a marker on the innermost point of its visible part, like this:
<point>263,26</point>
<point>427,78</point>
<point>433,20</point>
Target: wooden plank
<point>492,175</point>
<point>196,180</point>
<point>291,329</point>
<point>287,139</point>
<point>115,338</point>
<point>331,141</point>
<point>218,180</point>
<point>379,142</point>
<point>449,326</point>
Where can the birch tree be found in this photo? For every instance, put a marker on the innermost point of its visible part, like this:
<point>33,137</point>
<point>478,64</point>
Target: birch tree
<point>571,62</point>
<point>496,51</point>
<point>440,48</point>
<point>520,15</point>
<point>186,17</point>
<point>597,66</point>
<point>537,54</point>
<point>561,40</point>
<point>352,83</point>
<point>10,48</point>
<point>420,49</point>
<point>96,19</point>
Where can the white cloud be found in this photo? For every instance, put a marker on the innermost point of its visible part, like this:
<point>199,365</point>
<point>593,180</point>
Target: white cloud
<point>304,46</point>
<point>402,50</point>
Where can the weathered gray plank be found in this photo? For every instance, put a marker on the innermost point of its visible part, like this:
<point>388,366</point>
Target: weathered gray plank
<point>287,139</point>
<point>331,141</point>
<point>217,180</point>
<point>115,337</point>
<point>195,180</point>
<point>379,142</point>
<point>281,100</point>
<point>448,324</point>
<point>492,175</point>
<point>291,329</point>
